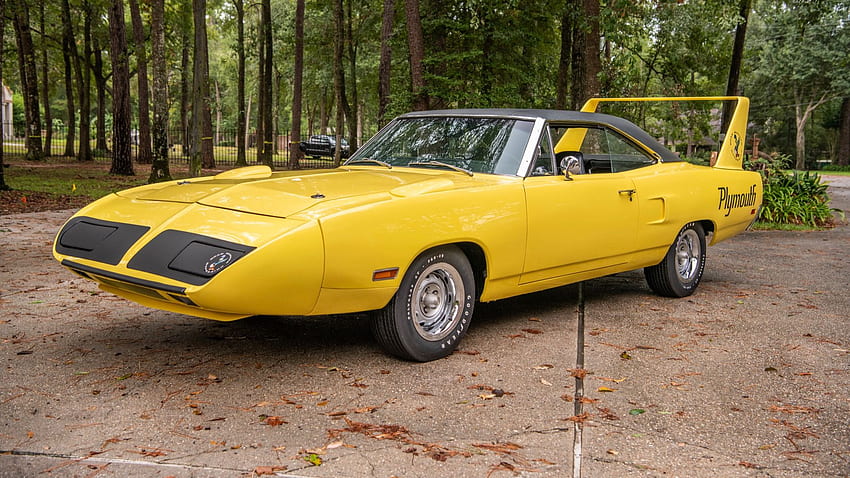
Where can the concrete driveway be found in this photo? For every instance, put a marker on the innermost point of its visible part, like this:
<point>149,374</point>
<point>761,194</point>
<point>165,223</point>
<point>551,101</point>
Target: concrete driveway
<point>748,377</point>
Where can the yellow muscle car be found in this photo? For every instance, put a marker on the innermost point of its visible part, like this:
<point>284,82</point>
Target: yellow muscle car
<point>439,210</point>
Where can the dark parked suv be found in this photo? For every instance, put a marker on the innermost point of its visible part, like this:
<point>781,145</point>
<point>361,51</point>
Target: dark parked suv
<point>323,145</point>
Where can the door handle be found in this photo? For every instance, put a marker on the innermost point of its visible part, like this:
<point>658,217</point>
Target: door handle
<point>630,192</point>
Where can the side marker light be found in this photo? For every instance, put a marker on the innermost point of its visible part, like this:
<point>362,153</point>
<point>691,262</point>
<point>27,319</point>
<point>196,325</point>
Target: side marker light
<point>385,274</point>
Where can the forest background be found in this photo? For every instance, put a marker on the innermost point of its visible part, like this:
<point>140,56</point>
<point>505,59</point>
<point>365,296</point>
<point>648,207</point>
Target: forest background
<point>131,78</point>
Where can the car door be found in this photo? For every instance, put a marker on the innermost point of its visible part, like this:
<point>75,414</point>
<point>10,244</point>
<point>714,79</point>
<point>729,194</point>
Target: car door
<point>585,223</point>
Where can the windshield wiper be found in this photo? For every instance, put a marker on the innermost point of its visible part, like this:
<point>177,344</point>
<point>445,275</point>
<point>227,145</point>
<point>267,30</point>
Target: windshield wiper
<point>440,164</point>
<point>369,160</point>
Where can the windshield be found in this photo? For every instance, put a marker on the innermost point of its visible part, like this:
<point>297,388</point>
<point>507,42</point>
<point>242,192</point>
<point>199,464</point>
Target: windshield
<point>481,145</point>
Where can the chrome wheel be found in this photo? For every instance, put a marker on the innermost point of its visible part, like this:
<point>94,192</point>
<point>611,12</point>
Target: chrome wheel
<point>688,255</point>
<point>435,302</point>
<point>679,273</point>
<point>432,308</point>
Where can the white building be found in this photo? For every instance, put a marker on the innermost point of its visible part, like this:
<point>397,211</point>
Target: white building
<point>7,131</point>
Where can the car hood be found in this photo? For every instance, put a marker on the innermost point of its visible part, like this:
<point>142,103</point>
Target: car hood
<point>288,193</point>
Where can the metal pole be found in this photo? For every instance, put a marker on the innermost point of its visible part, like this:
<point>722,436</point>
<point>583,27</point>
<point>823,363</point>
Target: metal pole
<point>578,426</point>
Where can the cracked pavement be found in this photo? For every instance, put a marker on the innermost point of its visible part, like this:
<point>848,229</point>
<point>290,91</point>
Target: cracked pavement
<point>748,377</point>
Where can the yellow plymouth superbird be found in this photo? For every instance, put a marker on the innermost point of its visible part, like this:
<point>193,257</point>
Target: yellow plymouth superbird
<point>439,210</point>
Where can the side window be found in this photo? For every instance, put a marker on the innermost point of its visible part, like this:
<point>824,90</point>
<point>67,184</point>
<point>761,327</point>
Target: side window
<point>603,150</point>
<point>594,148</point>
<point>544,164</point>
<point>624,155</point>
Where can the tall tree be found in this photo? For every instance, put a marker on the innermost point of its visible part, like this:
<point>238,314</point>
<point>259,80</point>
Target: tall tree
<point>29,78</point>
<point>263,91</point>
<point>3,185</point>
<point>351,107</point>
<point>121,151</point>
<point>297,80</point>
<point>45,85</point>
<point>339,77</point>
<point>586,65</point>
<point>844,134</point>
<point>815,40</point>
<point>101,79</point>
<point>562,83</point>
<point>385,65</point>
<point>202,145</point>
<point>737,59</point>
<point>416,45</point>
<point>143,153</point>
<point>268,67</point>
<point>83,75</point>
<point>186,39</point>
<point>241,123</point>
<point>159,155</point>
<point>71,107</point>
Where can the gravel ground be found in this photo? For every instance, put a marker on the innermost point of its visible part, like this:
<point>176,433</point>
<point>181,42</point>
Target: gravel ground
<point>748,377</point>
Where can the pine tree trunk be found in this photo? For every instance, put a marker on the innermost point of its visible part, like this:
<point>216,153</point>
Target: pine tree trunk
<point>185,127</point>
<point>339,77</point>
<point>586,65</point>
<point>262,90</point>
<point>71,111</point>
<point>735,65</point>
<point>100,144</point>
<point>385,68</point>
<point>45,89</point>
<point>122,162</point>
<point>143,152</point>
<point>563,81</point>
<point>351,101</point>
<point>416,44</point>
<point>297,81</point>
<point>81,71</point>
<point>29,79</point>
<point>844,134</point>
<point>159,155</point>
<point>241,158</point>
<point>268,59</point>
<point>202,147</point>
<point>3,185</point>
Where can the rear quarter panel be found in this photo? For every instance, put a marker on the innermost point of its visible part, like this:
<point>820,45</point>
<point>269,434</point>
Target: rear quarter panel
<point>671,195</point>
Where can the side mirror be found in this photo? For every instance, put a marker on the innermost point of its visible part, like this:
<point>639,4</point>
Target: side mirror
<point>571,162</point>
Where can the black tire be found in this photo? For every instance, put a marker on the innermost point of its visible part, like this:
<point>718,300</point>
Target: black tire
<point>432,308</point>
<point>679,273</point>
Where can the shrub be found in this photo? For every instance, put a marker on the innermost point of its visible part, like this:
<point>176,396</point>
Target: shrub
<point>792,198</point>
<point>796,198</point>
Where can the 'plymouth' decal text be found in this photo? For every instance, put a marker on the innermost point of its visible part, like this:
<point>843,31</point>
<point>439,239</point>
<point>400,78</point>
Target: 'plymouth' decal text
<point>731,201</point>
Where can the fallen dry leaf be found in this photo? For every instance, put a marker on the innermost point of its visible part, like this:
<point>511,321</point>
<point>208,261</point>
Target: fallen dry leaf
<point>577,372</point>
<point>274,421</point>
<point>268,470</point>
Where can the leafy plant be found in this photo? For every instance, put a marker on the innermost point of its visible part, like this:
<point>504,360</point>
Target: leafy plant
<point>793,198</point>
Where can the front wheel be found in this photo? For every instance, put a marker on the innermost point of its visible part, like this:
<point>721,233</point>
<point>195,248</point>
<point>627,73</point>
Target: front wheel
<point>679,273</point>
<point>432,308</point>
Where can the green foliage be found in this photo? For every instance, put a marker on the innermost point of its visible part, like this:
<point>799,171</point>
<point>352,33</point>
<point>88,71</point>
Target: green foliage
<point>836,168</point>
<point>793,198</point>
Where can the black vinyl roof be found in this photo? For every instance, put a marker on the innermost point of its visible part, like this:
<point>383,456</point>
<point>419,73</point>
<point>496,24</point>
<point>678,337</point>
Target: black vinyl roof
<point>558,116</point>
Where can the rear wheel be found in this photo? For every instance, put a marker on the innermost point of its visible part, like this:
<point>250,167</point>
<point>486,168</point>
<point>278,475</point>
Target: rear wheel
<point>679,273</point>
<point>432,308</point>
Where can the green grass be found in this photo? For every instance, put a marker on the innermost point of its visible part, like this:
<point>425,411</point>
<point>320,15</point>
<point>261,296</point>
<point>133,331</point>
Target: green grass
<point>69,177</point>
<point>776,226</point>
<point>833,173</point>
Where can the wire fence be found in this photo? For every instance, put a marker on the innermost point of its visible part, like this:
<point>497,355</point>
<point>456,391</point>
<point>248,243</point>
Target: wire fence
<point>179,151</point>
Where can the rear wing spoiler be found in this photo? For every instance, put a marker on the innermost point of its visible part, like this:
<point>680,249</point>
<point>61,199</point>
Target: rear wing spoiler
<point>732,151</point>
